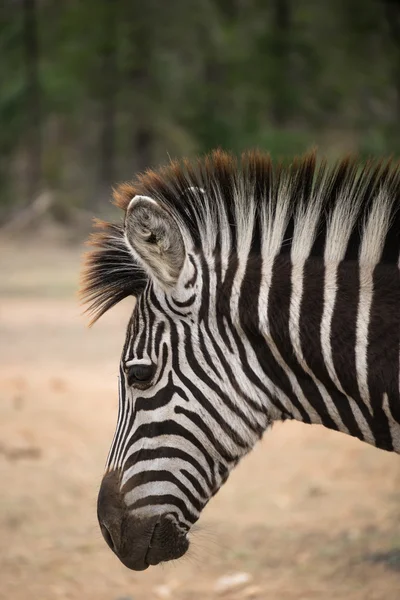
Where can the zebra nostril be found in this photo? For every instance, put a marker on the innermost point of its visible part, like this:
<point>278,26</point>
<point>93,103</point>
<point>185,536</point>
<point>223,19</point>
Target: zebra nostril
<point>108,537</point>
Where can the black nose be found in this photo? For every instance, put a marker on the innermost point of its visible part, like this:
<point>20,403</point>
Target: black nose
<point>138,543</point>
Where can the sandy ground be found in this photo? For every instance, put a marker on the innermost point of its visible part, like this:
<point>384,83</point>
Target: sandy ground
<point>309,514</point>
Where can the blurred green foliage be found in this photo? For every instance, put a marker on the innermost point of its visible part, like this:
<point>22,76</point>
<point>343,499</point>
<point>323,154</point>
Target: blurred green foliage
<point>92,91</point>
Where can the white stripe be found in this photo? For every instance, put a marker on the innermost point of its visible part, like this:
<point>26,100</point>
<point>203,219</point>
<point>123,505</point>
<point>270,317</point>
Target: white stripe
<point>330,291</point>
<point>294,330</point>
<point>110,465</point>
<point>138,361</point>
<point>159,488</point>
<point>173,465</point>
<point>373,239</point>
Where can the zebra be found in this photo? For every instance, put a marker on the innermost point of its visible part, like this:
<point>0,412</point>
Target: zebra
<point>264,291</point>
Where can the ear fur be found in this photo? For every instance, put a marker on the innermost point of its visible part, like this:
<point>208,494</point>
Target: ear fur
<point>154,235</point>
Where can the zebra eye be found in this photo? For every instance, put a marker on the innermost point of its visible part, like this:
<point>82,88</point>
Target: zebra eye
<point>139,375</point>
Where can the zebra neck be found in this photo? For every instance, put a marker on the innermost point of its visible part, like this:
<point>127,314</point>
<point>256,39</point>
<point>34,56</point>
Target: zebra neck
<point>327,339</point>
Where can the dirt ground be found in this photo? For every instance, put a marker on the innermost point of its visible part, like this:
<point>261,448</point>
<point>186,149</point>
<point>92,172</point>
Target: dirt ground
<point>309,514</point>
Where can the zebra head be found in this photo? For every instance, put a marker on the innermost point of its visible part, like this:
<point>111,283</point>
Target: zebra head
<point>261,294</point>
<point>187,411</point>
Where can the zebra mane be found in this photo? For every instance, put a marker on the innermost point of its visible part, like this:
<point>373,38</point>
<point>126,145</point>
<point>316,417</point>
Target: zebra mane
<point>220,197</point>
<point>109,272</point>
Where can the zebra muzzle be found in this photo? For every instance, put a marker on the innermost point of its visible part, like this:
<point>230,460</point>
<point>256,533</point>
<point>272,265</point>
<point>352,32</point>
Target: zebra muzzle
<point>138,542</point>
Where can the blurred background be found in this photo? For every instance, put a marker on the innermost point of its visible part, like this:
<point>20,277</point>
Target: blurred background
<point>93,91</point>
<point>90,93</point>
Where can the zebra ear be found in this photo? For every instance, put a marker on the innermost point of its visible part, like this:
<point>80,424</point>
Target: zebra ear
<point>155,237</point>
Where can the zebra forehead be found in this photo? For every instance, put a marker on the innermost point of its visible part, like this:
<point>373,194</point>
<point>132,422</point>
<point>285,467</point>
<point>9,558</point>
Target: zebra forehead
<point>222,192</point>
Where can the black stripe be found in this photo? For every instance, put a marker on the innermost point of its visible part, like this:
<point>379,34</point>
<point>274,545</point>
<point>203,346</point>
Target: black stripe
<point>203,493</point>
<point>164,360</point>
<point>390,253</point>
<point>206,354</point>
<point>185,303</point>
<point>383,350</point>
<point>158,337</point>
<point>125,431</point>
<point>249,319</point>
<point>250,324</point>
<point>161,398</point>
<point>159,476</point>
<point>278,318</point>
<point>193,280</point>
<point>173,310</point>
<point>168,427</point>
<point>311,312</point>
<point>211,437</point>
<point>167,452</point>
<point>124,415</point>
<point>204,315</point>
<point>141,341</point>
<point>165,499</point>
<point>131,333</point>
<point>150,332</point>
<point>343,335</point>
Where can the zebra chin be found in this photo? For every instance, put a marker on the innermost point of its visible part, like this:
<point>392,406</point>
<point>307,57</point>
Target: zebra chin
<point>138,542</point>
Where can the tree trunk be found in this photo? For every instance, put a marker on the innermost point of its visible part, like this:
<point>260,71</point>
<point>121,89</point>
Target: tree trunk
<point>142,85</point>
<point>108,91</point>
<point>281,49</point>
<point>33,108</point>
<point>143,133</point>
<point>392,10</point>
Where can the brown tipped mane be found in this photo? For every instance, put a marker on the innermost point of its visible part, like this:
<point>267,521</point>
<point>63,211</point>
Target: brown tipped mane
<point>207,194</point>
<point>109,272</point>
